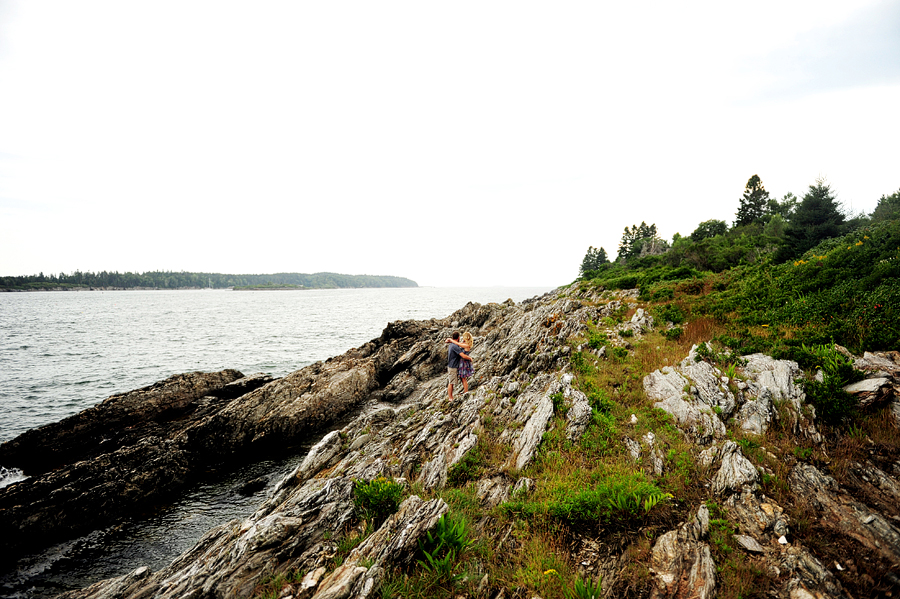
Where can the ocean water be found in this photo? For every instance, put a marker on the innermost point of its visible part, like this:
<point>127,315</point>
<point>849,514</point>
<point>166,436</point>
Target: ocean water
<point>62,352</point>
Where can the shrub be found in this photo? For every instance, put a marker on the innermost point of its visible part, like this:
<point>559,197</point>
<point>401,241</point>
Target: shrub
<point>559,404</point>
<point>673,333</point>
<point>468,467</point>
<point>377,499</point>
<point>596,340</point>
<point>669,313</point>
<point>442,547</point>
<point>619,353</point>
<point>828,396</point>
<point>585,589</point>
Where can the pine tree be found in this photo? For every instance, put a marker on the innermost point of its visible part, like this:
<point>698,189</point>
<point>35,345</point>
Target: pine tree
<point>634,238</point>
<point>888,207</point>
<point>593,260</point>
<point>816,218</point>
<point>753,202</point>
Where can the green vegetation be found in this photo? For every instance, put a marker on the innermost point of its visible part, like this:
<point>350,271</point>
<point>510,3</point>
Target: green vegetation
<point>832,403</point>
<point>376,499</point>
<point>195,280</point>
<point>787,273</point>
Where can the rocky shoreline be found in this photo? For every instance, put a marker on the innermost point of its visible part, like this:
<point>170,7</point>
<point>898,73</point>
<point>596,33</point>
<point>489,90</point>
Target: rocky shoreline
<point>136,448</point>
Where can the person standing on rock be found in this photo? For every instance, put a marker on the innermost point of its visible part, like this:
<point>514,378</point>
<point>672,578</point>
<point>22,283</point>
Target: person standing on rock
<point>466,367</point>
<point>455,355</point>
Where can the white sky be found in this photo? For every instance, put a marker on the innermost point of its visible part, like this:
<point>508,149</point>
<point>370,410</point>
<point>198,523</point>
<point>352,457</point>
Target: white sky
<point>463,143</point>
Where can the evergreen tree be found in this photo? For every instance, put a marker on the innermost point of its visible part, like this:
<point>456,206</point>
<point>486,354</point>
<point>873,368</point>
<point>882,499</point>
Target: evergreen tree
<point>888,207</point>
<point>634,238</point>
<point>593,260</point>
<point>817,217</point>
<point>753,202</point>
<point>785,207</point>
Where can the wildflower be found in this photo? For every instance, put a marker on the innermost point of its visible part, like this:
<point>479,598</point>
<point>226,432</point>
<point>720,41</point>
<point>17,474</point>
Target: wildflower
<point>551,571</point>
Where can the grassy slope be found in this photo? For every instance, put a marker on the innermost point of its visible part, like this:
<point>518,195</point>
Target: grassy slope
<point>844,291</point>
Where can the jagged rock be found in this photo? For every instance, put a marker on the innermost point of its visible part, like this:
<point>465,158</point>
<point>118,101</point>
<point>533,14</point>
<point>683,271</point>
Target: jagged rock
<point>534,404</point>
<point>656,458</point>
<point>394,543</point>
<point>579,415</point>
<point>770,381</point>
<point>633,447</point>
<point>523,486</point>
<point>878,363</point>
<point>694,417</point>
<point>877,482</point>
<point>749,543</point>
<point>871,392</point>
<point>761,518</point>
<point>320,455</point>
<point>510,388</point>
<point>708,456</point>
<point>844,513</point>
<point>423,438</point>
<point>492,491</point>
<point>681,562</point>
<point>116,422</point>
<point>736,472</point>
<point>642,321</point>
<point>707,384</point>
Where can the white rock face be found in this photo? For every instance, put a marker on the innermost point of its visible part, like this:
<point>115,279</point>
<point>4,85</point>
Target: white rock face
<point>529,438</point>
<point>693,416</point>
<point>736,472</point>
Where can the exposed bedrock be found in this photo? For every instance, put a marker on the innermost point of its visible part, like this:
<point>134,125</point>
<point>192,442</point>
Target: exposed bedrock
<point>386,403</point>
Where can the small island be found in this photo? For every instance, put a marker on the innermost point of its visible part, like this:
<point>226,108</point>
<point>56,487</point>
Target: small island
<point>104,280</point>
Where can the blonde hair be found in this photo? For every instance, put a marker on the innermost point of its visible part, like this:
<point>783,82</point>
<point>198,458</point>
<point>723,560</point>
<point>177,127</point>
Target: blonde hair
<point>466,339</point>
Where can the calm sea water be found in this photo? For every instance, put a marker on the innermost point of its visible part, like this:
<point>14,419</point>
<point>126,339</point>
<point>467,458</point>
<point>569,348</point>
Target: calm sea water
<point>62,352</point>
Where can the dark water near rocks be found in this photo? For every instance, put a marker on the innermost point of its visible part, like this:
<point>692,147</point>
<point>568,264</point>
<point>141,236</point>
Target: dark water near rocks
<point>62,352</point>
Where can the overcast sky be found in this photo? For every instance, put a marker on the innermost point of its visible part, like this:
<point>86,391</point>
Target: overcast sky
<point>457,143</point>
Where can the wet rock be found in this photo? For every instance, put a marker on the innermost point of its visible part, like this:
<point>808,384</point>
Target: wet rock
<point>117,421</point>
<point>253,486</point>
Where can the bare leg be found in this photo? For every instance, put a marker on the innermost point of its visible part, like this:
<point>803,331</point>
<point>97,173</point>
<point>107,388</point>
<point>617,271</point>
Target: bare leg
<point>466,384</point>
<point>450,391</point>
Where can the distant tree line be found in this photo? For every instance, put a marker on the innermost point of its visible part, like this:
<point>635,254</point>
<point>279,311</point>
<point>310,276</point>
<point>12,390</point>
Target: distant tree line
<point>764,226</point>
<point>195,280</point>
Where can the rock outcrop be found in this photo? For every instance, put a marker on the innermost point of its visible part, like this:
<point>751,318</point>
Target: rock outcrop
<point>396,422</point>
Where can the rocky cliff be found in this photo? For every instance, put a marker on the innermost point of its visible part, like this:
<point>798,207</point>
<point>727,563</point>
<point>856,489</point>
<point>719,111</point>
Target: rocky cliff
<point>819,521</point>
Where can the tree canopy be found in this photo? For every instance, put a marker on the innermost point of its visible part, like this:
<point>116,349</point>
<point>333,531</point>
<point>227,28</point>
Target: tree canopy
<point>753,202</point>
<point>594,260</point>
<point>817,217</point>
<point>709,228</point>
<point>888,207</point>
<point>634,238</point>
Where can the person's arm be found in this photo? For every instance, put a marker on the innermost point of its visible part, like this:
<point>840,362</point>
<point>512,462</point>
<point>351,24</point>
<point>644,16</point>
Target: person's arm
<point>455,342</point>
<point>464,356</point>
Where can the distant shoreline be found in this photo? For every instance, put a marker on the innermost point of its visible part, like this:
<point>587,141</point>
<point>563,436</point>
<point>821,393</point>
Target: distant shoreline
<point>114,281</point>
